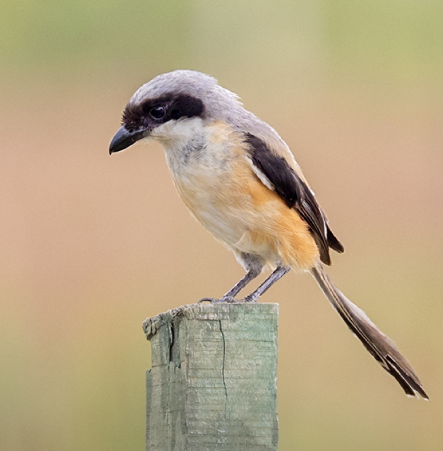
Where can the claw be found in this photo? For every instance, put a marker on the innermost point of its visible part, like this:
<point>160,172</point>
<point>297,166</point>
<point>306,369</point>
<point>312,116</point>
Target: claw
<point>223,300</point>
<point>210,300</point>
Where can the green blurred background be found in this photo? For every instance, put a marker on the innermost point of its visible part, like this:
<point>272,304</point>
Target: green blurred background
<point>91,244</point>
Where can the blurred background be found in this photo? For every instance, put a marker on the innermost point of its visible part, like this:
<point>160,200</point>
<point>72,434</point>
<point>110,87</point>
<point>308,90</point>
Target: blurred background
<point>91,245</point>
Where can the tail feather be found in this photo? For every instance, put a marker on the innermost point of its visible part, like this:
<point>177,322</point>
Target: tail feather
<point>381,347</point>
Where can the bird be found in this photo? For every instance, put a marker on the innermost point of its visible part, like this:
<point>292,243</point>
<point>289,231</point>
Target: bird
<point>240,180</point>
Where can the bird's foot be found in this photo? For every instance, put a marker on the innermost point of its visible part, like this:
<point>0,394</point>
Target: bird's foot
<point>249,298</point>
<point>229,300</point>
<point>223,300</point>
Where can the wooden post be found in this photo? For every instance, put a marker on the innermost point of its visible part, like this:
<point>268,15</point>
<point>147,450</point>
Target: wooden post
<point>213,381</point>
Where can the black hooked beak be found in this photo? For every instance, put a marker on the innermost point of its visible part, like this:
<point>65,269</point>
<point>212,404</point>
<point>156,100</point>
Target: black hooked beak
<point>125,138</point>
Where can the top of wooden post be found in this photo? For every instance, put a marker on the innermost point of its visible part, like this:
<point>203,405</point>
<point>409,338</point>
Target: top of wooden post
<point>206,311</point>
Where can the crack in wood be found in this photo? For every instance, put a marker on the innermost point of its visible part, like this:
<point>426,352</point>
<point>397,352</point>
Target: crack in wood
<point>223,361</point>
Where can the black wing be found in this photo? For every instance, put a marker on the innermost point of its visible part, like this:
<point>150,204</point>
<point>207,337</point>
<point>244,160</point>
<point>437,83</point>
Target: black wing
<point>295,193</point>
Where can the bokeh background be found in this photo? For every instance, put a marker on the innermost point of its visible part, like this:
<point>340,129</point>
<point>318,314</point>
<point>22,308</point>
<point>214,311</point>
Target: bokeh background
<point>91,245</point>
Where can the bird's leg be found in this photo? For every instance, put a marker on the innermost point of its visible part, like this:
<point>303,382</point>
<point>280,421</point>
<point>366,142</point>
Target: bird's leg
<point>230,295</point>
<point>276,275</point>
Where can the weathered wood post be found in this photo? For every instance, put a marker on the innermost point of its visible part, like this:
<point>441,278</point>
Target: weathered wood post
<point>213,381</point>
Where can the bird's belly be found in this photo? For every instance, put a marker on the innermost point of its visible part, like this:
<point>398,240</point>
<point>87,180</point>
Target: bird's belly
<point>214,203</point>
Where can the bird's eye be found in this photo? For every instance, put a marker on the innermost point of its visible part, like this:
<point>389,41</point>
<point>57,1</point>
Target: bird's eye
<point>158,112</point>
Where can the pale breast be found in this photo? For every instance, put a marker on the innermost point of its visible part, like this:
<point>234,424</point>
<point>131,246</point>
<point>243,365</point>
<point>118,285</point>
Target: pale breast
<point>202,171</point>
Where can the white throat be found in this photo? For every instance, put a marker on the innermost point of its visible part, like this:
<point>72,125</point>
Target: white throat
<point>182,141</point>
<point>178,133</point>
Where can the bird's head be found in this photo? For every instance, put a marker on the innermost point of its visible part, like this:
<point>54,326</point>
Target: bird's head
<point>159,109</point>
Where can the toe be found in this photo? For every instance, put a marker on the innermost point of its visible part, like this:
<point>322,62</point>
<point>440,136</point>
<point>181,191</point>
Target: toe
<point>210,300</point>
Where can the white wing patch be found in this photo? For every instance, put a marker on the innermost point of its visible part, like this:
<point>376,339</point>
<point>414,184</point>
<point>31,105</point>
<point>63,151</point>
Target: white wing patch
<point>262,177</point>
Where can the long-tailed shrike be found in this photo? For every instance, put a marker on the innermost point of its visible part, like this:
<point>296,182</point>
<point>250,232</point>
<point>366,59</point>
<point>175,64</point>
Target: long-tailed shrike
<point>241,181</point>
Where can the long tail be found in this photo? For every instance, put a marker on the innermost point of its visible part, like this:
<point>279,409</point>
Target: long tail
<point>375,341</point>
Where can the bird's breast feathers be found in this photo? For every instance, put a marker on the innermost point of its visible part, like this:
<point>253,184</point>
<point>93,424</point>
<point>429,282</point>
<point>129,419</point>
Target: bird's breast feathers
<point>222,188</point>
